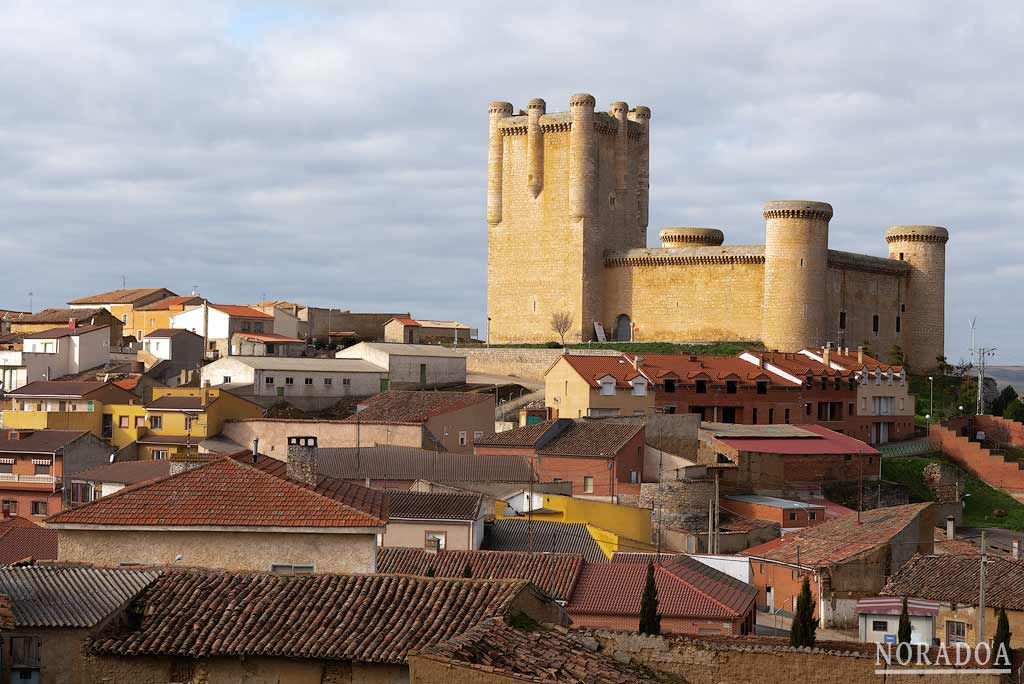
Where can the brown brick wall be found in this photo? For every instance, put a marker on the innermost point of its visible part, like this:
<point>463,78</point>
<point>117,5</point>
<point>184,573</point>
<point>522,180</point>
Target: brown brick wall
<point>978,460</point>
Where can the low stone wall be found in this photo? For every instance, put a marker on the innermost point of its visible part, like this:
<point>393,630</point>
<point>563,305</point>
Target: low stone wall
<point>519,362</point>
<point>979,461</point>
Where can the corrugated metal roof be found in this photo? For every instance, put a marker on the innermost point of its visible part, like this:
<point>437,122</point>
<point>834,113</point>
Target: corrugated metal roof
<point>513,534</point>
<point>69,596</point>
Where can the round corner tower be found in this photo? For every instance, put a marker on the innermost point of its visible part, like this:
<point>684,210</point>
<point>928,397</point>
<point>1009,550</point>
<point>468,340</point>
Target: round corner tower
<point>794,314</point>
<point>923,248</point>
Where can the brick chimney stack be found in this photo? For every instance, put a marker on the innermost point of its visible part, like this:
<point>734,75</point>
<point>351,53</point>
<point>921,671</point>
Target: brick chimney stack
<point>860,355</point>
<point>72,324</point>
<point>826,354</point>
<point>302,460</point>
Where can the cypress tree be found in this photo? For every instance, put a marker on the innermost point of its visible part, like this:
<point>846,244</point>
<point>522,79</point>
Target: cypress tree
<point>903,636</point>
<point>650,621</point>
<point>468,570</point>
<point>1002,636</point>
<point>430,571</point>
<point>802,633</point>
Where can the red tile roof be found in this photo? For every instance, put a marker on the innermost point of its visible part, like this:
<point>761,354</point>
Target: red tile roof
<point>57,333</point>
<point>415,407</point>
<point>800,365</point>
<point>593,368</point>
<point>404,321</point>
<point>688,368</point>
<point>839,540</point>
<point>225,493</point>
<point>240,311</point>
<point>6,615</point>
<point>569,438</point>
<point>170,332</point>
<point>166,303</point>
<point>128,383</point>
<point>553,573</point>
<point>270,337</point>
<point>952,578</point>
<point>821,441</point>
<point>363,618</point>
<point>38,441</point>
<point>25,540</point>
<point>686,589</point>
<point>125,472</point>
<point>61,316</point>
<point>125,296</point>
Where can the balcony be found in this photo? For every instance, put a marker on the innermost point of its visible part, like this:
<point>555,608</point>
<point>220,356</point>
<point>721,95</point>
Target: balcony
<point>28,479</point>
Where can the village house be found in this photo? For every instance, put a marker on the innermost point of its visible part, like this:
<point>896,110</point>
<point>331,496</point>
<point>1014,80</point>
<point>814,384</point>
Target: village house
<point>122,302</point>
<point>266,344</point>
<point>55,353</point>
<point>845,559</point>
<point>878,619</point>
<point>8,317</point>
<point>952,580</point>
<point>543,536</point>
<point>353,628</point>
<point>66,405</point>
<point>142,320</point>
<point>33,464</point>
<point>421,331</point>
<point>22,540</point>
<point>785,460</point>
<point>790,515</point>
<point>55,606</point>
<point>173,350</point>
<point>286,318</point>
<point>48,319</point>
<point>103,480</point>
<point>411,365</point>
<point>693,598</point>
<point>603,460</point>
<point>217,324</point>
<point>458,420</point>
<point>306,383</point>
<point>223,514</point>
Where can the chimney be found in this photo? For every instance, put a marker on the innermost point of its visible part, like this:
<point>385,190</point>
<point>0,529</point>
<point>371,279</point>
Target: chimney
<point>72,324</point>
<point>760,360</point>
<point>1015,551</point>
<point>635,361</point>
<point>826,354</point>
<point>950,528</point>
<point>302,460</point>
<point>255,449</point>
<point>860,354</point>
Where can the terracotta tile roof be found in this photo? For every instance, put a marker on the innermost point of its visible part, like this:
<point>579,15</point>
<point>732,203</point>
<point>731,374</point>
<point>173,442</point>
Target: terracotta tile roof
<point>513,534</point>
<point>820,440</point>
<point>434,506</point>
<point>58,388</point>
<point>65,331</point>
<point>126,296</point>
<point>37,441</point>
<point>69,596</point>
<point>169,332</point>
<point>128,383</point>
<point>840,539</point>
<point>553,573</point>
<point>404,321</point>
<point>547,656</point>
<point>849,361</point>
<point>223,493</point>
<point>593,368</point>
<point>62,316</point>
<point>686,589</point>
<point>952,578</point>
<point>371,501</point>
<point>125,472</point>
<point>238,311</point>
<point>567,437</point>
<point>6,615</point>
<point>801,365</point>
<point>19,542</point>
<point>167,303</point>
<point>415,407</point>
<point>689,368</point>
<point>409,463</point>
<point>169,402</point>
<point>270,337</point>
<point>363,618</point>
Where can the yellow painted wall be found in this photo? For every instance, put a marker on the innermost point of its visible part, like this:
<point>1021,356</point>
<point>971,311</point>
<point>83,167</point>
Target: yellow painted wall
<point>123,436</point>
<point>611,542</point>
<point>55,420</point>
<point>628,521</point>
<point>573,397</point>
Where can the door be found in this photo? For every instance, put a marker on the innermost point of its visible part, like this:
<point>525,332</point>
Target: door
<point>623,329</point>
<point>108,425</point>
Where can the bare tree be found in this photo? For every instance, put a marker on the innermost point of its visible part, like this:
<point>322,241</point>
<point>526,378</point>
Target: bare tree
<point>561,321</point>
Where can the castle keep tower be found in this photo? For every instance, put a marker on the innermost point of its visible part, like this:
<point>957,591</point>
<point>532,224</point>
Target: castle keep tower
<point>795,274</point>
<point>924,249</point>
<point>562,189</point>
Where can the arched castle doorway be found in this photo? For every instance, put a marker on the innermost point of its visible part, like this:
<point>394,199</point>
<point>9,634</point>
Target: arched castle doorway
<point>623,329</point>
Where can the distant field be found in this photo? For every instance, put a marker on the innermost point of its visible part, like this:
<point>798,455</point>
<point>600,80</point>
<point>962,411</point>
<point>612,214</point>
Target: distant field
<point>1007,375</point>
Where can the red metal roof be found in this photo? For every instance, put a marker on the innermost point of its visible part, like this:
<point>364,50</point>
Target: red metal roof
<point>893,605</point>
<point>823,441</point>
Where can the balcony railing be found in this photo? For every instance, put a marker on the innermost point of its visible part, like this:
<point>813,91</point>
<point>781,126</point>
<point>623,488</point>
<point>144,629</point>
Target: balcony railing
<point>34,479</point>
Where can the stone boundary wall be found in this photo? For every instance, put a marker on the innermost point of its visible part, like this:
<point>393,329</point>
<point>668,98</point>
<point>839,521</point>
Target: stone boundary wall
<point>979,461</point>
<point>519,362</point>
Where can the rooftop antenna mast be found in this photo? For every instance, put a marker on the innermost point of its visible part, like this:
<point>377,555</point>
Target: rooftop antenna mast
<point>972,320</point>
<point>30,295</point>
<point>124,281</point>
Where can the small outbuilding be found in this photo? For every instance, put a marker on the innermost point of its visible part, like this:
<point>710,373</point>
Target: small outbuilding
<point>411,365</point>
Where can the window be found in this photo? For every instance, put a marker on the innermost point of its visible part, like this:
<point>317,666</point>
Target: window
<point>269,380</point>
<point>956,632</point>
<point>257,327</point>
<point>124,318</point>
<point>246,326</point>
<point>639,387</point>
<point>787,416</point>
<point>292,569</point>
<point>670,386</point>
<point>140,421</point>
<point>309,381</point>
<point>25,652</point>
<point>477,435</point>
<point>753,417</point>
<point>90,406</point>
<point>39,508</point>
<point>842,320</point>
<point>328,381</point>
<point>634,477</point>
<point>588,484</point>
<point>792,515</point>
<point>156,422</point>
<point>731,386</point>
<point>159,454</point>
<point>435,537</point>
<point>874,324</point>
<point>897,324</point>
<point>7,467</point>
<point>81,492</point>
<point>812,515</point>
<point>462,438</point>
<point>879,626</point>
<point>771,416</point>
<point>227,379</point>
<point>188,423</point>
<point>901,256</point>
<point>346,382</point>
<point>807,409</point>
<point>42,469</point>
<point>702,387</point>
<point>289,381</point>
<point>762,387</point>
<point>607,386</point>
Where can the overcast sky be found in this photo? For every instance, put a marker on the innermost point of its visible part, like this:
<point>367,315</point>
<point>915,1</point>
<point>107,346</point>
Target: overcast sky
<point>335,153</point>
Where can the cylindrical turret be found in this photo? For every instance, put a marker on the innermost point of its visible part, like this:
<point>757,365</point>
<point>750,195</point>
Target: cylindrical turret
<point>495,146</point>
<point>795,269</point>
<point>535,146</point>
<point>582,161</point>
<point>620,112</point>
<point>642,115</point>
<point>691,237</point>
<point>924,249</point>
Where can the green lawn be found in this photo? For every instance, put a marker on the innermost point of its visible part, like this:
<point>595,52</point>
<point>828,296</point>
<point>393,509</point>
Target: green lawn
<point>979,505</point>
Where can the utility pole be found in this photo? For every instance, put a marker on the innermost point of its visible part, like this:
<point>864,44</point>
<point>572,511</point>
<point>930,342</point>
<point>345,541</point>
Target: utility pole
<point>529,506</point>
<point>983,353</point>
<point>30,295</point>
<point>860,486</point>
<point>981,592</point>
<point>972,320</point>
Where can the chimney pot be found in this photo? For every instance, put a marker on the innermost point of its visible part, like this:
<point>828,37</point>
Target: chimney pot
<point>1016,549</point>
<point>71,323</point>
<point>950,528</point>
<point>860,354</point>
<point>302,460</point>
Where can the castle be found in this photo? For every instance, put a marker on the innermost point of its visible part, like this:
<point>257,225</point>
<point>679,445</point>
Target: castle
<point>567,205</point>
